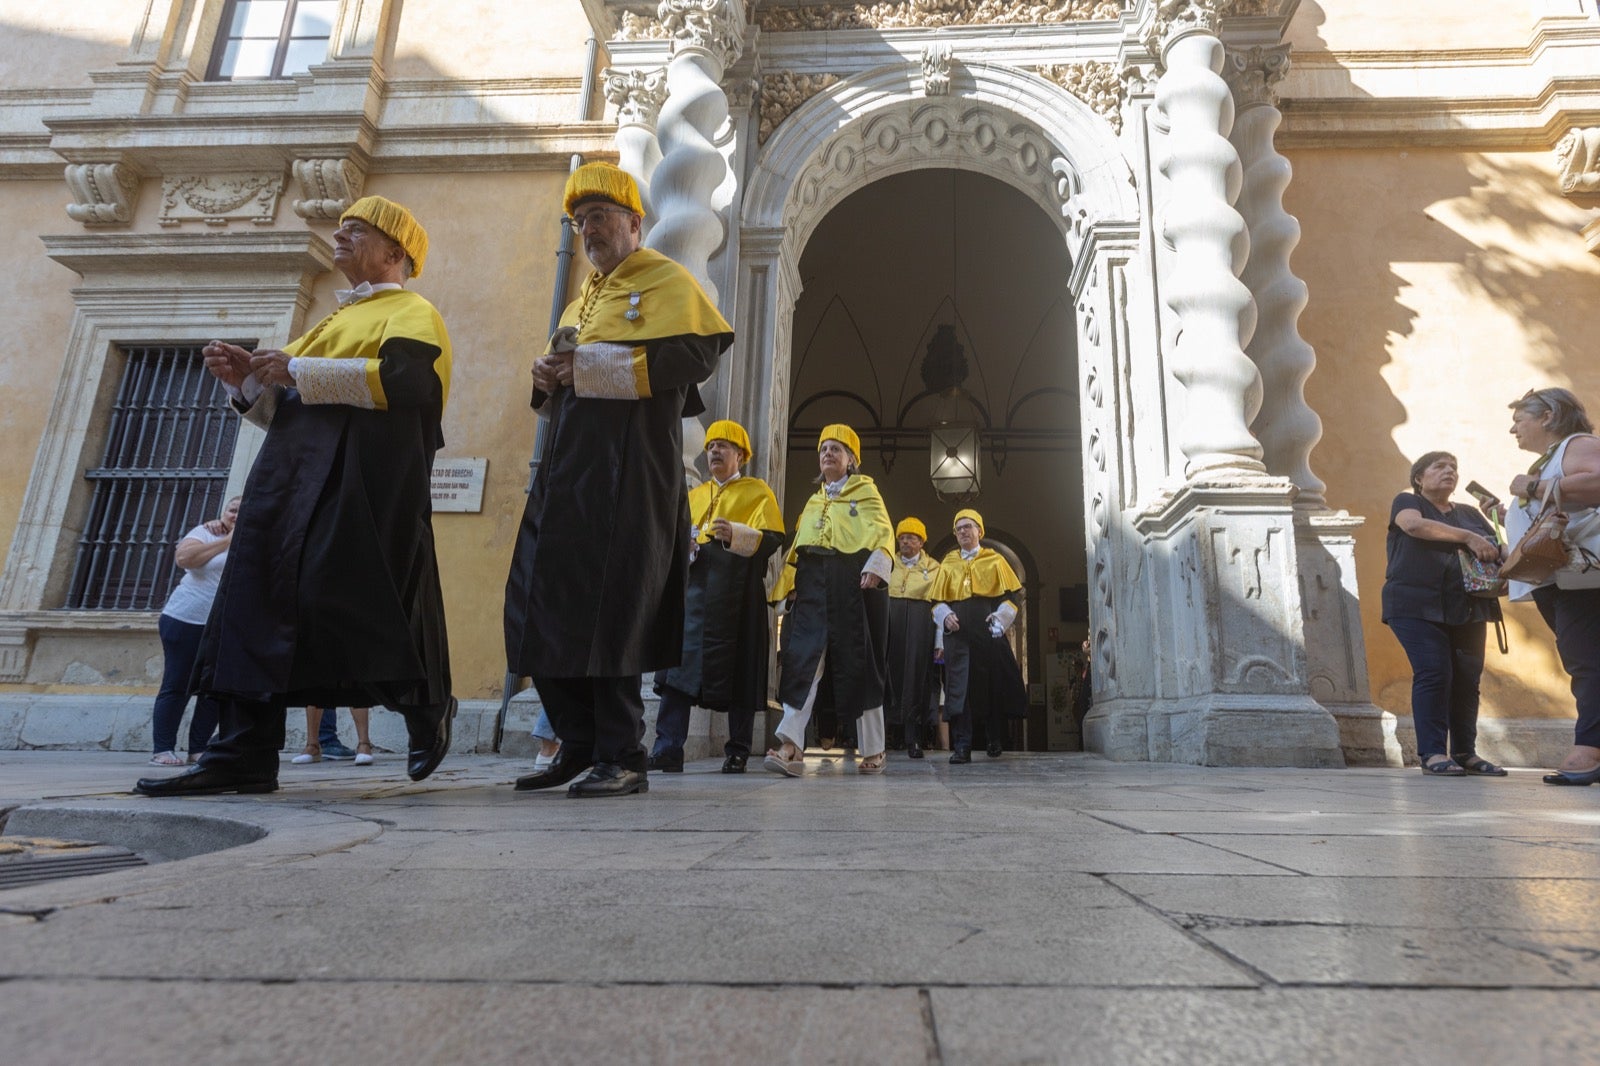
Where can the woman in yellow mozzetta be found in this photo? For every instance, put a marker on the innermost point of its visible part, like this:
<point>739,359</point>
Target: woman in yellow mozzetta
<point>836,635</point>
<point>975,601</point>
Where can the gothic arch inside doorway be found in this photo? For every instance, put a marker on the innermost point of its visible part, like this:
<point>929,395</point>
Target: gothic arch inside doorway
<point>1018,129</point>
<point>939,296</point>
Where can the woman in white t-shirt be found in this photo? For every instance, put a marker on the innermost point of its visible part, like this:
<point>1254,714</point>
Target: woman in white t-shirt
<point>202,554</point>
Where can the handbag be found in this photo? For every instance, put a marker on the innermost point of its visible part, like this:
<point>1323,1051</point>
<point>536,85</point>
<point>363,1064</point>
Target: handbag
<point>1480,578</point>
<point>1541,551</point>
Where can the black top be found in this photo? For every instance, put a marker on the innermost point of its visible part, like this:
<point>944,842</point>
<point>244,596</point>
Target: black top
<point>1424,576</point>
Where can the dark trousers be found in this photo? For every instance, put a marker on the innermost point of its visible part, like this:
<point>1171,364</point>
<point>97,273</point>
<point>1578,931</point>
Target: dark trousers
<point>604,715</point>
<point>249,737</point>
<point>180,644</point>
<point>966,688</point>
<point>1446,663</point>
<point>672,726</point>
<point>1573,615</point>
<point>328,727</point>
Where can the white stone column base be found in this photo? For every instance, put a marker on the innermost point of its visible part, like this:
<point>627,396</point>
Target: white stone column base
<point>1218,729</point>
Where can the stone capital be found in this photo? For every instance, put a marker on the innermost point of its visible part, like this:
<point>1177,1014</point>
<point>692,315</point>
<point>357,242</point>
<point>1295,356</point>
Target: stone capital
<point>638,95</point>
<point>715,28</point>
<point>1176,19</point>
<point>1254,73</point>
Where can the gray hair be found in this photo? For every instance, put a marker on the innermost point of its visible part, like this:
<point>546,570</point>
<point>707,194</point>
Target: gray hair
<point>1567,414</point>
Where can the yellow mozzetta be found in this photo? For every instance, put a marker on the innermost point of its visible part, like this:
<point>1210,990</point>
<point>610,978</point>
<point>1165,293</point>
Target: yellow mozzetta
<point>359,330</point>
<point>988,574</point>
<point>661,296</point>
<point>855,520</point>
<point>746,500</point>
<point>914,582</point>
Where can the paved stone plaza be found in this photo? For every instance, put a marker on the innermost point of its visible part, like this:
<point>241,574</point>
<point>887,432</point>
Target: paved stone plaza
<point>1034,909</point>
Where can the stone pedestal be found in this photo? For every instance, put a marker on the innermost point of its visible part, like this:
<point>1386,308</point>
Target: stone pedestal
<point>1231,675</point>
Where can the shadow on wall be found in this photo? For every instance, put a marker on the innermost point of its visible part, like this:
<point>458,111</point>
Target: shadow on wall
<point>1443,284</point>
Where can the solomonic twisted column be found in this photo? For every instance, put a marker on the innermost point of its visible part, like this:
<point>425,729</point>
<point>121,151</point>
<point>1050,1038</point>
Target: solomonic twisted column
<point>638,95</point>
<point>1287,427</point>
<point>708,35</point>
<point>1209,241</point>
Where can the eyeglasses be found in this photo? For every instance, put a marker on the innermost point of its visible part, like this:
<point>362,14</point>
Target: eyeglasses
<point>580,222</point>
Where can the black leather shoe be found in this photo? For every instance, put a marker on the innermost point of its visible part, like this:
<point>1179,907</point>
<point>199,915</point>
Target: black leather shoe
<point>566,765</point>
<point>609,779</point>
<point>961,755</point>
<point>204,781</point>
<point>913,752</point>
<point>666,762</point>
<point>734,764</point>
<point>995,751</point>
<point>428,743</point>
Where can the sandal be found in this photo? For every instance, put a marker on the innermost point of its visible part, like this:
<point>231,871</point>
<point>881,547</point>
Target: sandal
<point>313,753</point>
<point>363,754</point>
<point>872,764</point>
<point>1477,764</point>
<point>166,758</point>
<point>1444,767</point>
<point>787,767</point>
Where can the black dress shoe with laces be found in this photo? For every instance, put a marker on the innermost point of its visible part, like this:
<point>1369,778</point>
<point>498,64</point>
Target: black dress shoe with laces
<point>734,764</point>
<point>609,779</point>
<point>563,768</point>
<point>961,755</point>
<point>204,781</point>
<point>913,752</point>
<point>428,743</point>
<point>667,762</point>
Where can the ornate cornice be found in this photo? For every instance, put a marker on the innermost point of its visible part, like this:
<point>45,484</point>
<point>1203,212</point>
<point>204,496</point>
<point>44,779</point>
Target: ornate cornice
<point>783,91</point>
<point>638,95</point>
<point>1254,73</point>
<point>1097,84</point>
<point>928,14</point>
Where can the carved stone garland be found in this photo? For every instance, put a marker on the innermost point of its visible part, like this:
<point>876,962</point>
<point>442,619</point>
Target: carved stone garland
<point>782,92</point>
<point>1097,84</point>
<point>928,14</point>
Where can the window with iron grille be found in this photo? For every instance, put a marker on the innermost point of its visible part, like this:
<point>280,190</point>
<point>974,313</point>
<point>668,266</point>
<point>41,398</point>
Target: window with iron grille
<point>271,38</point>
<point>168,448</point>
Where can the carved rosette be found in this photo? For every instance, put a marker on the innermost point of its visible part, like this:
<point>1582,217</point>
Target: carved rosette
<point>1254,73</point>
<point>103,194</point>
<point>936,60</point>
<point>327,187</point>
<point>1578,160</point>
<point>638,95</point>
<point>931,14</point>
<point>712,27</point>
<point>1100,85</point>
<point>217,199</point>
<point>782,92</point>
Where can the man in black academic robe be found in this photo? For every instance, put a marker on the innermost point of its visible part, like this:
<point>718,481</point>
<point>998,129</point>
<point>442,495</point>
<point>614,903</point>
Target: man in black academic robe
<point>595,594</point>
<point>331,594</point>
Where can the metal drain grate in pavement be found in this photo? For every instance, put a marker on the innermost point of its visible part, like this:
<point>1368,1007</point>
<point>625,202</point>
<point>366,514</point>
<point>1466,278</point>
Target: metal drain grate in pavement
<point>37,870</point>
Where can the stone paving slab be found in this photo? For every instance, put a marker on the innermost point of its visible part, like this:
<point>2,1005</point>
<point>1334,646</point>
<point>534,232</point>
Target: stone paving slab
<point>1030,909</point>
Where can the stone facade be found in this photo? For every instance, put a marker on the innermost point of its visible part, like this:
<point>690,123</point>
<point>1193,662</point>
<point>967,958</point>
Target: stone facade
<point>1270,211</point>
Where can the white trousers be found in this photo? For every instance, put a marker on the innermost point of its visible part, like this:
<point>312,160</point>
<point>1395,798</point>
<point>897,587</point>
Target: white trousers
<point>869,727</point>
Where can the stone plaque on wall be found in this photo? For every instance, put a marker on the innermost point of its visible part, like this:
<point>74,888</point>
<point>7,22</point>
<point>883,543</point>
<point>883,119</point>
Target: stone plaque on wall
<point>458,484</point>
<point>218,199</point>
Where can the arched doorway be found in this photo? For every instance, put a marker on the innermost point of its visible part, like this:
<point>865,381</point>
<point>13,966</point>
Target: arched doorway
<point>940,296</point>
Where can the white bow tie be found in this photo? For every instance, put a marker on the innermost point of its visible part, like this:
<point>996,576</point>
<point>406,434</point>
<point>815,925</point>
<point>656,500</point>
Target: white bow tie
<point>350,296</point>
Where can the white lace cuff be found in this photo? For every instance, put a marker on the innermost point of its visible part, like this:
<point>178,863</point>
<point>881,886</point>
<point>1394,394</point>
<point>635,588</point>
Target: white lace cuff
<point>1005,614</point>
<point>610,372</point>
<point>880,565</point>
<point>745,539</point>
<point>941,611</point>
<point>324,381</point>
